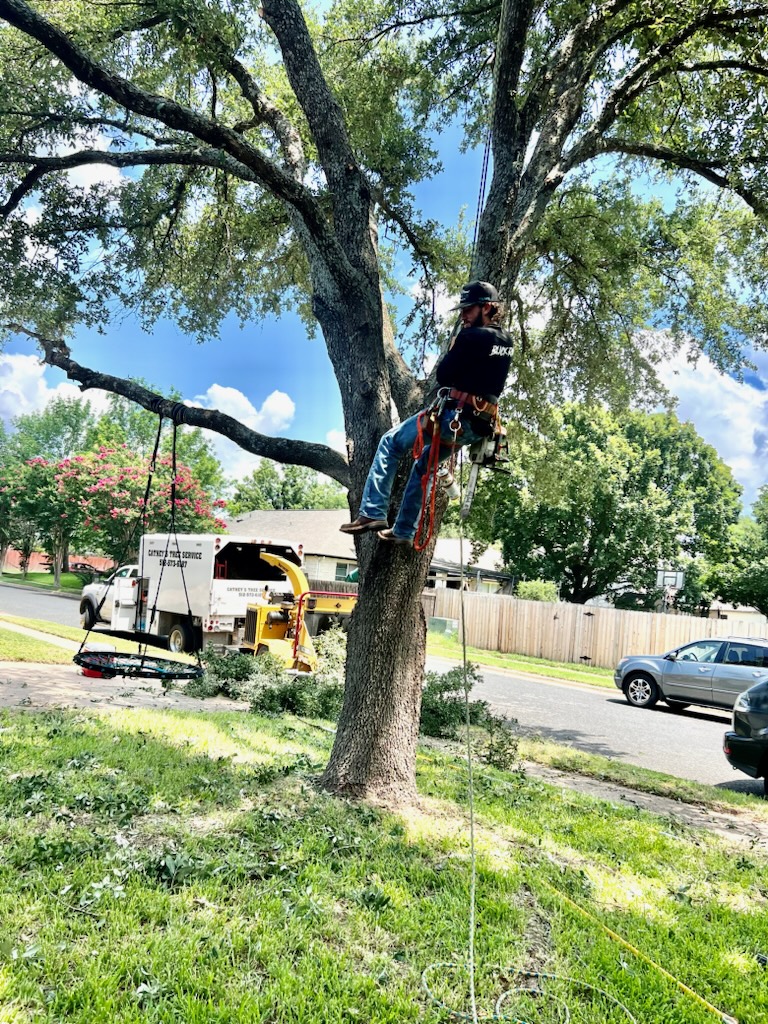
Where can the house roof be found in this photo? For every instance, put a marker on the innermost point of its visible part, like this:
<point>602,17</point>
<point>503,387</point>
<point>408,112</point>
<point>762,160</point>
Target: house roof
<point>318,531</point>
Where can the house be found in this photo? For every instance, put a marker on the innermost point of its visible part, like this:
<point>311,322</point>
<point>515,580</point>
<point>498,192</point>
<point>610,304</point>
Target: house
<point>330,555</point>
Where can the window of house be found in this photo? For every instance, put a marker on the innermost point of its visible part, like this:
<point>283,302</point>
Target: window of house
<point>343,569</point>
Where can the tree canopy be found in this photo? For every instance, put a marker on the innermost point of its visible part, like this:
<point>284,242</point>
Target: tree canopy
<point>601,503</point>
<point>294,487</point>
<point>267,158</point>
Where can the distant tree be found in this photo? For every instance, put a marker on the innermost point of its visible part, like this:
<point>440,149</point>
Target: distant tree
<point>49,496</point>
<point>55,432</point>
<point>536,590</point>
<point>286,487</point>
<point>24,540</point>
<point>742,579</point>
<point>7,504</point>
<point>601,501</point>
<point>126,424</point>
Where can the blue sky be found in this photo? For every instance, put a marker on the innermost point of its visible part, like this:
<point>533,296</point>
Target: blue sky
<point>275,379</point>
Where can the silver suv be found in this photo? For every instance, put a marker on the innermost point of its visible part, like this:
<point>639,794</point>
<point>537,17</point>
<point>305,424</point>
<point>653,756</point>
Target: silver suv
<point>711,672</point>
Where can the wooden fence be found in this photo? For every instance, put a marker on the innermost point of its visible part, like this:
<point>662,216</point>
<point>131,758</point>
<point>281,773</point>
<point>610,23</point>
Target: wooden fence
<point>572,632</point>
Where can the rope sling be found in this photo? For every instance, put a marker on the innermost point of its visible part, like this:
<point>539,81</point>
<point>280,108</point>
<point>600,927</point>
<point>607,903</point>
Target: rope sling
<point>143,665</point>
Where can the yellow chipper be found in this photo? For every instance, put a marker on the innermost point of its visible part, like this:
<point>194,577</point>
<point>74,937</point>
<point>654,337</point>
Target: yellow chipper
<point>285,627</point>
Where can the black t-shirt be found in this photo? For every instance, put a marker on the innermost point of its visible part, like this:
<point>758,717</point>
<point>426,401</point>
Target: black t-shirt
<point>478,362</point>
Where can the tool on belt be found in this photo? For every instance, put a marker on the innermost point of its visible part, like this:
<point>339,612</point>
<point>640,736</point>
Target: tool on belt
<point>484,452</point>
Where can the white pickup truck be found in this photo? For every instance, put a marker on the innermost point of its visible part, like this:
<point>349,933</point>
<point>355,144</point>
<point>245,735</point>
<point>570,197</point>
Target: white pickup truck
<point>187,590</point>
<point>96,599</point>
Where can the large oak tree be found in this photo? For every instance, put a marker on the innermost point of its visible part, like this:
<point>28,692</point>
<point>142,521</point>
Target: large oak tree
<point>267,151</point>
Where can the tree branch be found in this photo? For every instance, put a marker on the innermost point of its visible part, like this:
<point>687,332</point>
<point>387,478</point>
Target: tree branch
<point>42,165</point>
<point>284,186</point>
<point>709,170</point>
<point>281,449</point>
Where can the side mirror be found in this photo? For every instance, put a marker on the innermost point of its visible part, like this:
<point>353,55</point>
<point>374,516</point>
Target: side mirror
<point>672,656</point>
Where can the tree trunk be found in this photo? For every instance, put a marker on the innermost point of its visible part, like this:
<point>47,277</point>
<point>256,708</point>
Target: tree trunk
<point>374,754</point>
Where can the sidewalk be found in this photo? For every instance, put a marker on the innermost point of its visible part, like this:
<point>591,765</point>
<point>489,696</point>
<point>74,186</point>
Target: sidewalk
<point>34,686</point>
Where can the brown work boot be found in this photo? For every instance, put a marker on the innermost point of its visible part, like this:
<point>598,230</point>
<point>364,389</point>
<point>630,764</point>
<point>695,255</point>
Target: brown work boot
<point>390,538</point>
<point>364,525</point>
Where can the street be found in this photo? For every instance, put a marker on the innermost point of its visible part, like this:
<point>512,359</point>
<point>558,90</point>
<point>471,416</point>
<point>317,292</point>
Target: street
<point>687,745</point>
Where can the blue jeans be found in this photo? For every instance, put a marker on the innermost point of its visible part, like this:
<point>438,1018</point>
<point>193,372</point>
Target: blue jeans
<point>381,476</point>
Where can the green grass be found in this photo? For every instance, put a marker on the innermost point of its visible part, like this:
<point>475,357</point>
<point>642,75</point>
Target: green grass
<point>450,647</point>
<point>44,580</point>
<point>159,866</point>
<point>16,647</point>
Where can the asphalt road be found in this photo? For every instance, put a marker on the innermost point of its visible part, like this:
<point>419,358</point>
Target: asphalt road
<point>687,745</point>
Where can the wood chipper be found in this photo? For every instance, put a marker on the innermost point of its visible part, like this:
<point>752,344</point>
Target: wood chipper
<point>285,627</point>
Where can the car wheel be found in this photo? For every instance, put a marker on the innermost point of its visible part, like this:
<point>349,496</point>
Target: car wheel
<point>641,691</point>
<point>676,705</point>
<point>89,616</point>
<point>180,639</point>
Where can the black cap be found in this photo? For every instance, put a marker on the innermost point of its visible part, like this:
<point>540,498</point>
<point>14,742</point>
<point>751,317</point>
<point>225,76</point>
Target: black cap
<point>477,292</point>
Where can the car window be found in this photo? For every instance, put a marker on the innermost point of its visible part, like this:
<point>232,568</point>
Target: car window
<point>750,655</point>
<point>702,650</point>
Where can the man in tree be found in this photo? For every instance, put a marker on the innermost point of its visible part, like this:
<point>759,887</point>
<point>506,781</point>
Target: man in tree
<point>472,375</point>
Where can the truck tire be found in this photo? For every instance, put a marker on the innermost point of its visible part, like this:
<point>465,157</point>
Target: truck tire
<point>88,613</point>
<point>181,639</point>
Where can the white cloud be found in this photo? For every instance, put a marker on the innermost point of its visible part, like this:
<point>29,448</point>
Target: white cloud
<point>274,416</point>
<point>337,440</point>
<point>24,389</point>
<point>731,416</point>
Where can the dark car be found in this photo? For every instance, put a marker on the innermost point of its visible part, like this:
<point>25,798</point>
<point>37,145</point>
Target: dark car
<point>711,672</point>
<point>746,743</point>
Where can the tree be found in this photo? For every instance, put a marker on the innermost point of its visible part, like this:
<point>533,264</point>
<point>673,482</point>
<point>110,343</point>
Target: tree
<point>602,502</point>
<point>46,494</point>
<point>127,425</point>
<point>294,487</point>
<point>267,153</point>
<point>113,484</point>
<point>55,432</point>
<point>742,578</point>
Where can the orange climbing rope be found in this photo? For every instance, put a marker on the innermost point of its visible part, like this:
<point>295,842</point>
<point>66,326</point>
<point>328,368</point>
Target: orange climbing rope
<point>429,422</point>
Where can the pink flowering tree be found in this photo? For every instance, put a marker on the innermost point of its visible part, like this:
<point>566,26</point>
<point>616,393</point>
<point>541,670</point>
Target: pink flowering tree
<point>46,506</point>
<point>112,485</point>
<point>97,501</point>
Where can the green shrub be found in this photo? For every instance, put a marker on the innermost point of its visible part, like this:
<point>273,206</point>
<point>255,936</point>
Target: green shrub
<point>443,710</point>
<point>302,694</point>
<point>234,675</point>
<point>537,590</point>
<point>331,650</point>
<point>501,748</point>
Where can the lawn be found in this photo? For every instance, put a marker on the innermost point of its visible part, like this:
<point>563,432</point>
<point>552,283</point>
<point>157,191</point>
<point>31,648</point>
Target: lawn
<point>44,580</point>
<point>440,645</point>
<point>159,866</point>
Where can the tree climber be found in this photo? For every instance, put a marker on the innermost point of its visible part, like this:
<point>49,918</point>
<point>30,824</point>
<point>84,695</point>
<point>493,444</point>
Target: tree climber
<point>471,375</point>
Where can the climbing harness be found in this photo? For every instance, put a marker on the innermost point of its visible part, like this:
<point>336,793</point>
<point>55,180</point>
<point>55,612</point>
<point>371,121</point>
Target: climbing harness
<point>486,452</point>
<point>109,664</point>
<point>430,423</point>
